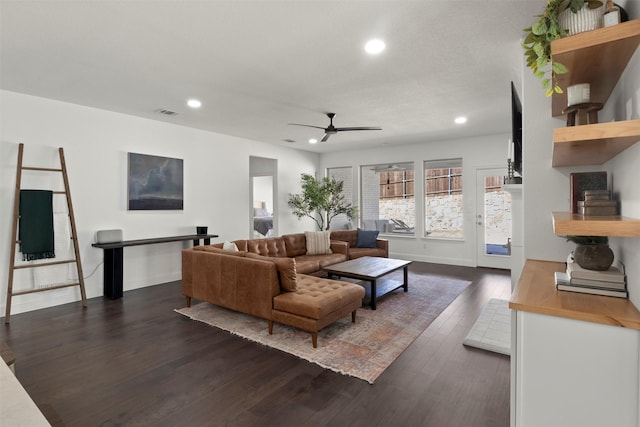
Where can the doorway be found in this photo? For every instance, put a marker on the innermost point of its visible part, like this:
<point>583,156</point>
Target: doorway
<point>262,202</point>
<point>493,219</point>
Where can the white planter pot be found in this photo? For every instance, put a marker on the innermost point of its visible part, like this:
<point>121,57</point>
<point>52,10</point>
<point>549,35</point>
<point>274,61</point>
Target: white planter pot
<point>585,20</point>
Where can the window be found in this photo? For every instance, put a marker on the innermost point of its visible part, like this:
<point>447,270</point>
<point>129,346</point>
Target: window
<point>388,199</point>
<point>345,175</point>
<point>443,199</point>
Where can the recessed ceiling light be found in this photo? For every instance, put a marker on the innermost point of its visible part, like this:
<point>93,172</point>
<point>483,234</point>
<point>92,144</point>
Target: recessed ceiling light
<point>194,103</point>
<point>313,141</point>
<point>374,46</point>
<point>460,120</point>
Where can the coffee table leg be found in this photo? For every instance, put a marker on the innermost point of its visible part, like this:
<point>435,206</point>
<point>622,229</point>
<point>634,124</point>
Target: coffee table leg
<point>406,278</point>
<point>373,294</point>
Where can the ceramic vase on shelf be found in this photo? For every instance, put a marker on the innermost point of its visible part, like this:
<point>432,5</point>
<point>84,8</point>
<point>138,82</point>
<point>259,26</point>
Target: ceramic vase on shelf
<point>584,20</point>
<point>595,256</point>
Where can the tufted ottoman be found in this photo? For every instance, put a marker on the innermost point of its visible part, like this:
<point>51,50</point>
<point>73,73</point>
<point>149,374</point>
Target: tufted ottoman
<point>318,302</point>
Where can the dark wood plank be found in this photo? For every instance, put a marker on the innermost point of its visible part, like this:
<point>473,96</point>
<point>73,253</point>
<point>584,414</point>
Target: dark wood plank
<point>133,361</point>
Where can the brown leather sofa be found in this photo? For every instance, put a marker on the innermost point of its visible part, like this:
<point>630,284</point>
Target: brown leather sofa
<point>353,251</point>
<point>262,279</point>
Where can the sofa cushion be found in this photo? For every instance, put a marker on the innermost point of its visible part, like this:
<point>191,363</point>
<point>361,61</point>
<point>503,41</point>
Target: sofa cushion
<point>349,236</point>
<point>229,246</point>
<point>317,297</point>
<point>306,264</point>
<point>296,244</point>
<point>286,270</point>
<point>366,238</point>
<point>273,247</point>
<point>318,242</point>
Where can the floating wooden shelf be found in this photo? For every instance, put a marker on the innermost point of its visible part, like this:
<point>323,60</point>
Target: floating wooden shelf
<point>597,57</point>
<point>565,223</point>
<point>536,293</point>
<point>593,144</point>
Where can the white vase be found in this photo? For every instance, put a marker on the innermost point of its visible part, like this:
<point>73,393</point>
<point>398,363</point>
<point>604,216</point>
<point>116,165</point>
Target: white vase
<point>584,20</point>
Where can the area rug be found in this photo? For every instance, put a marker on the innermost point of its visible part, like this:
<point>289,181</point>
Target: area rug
<point>492,330</point>
<point>362,350</point>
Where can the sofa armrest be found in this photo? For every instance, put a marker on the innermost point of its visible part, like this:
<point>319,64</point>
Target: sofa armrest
<point>384,245</point>
<point>340,247</point>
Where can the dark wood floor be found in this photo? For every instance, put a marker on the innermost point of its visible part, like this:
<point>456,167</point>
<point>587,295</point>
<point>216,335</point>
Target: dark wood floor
<point>134,361</point>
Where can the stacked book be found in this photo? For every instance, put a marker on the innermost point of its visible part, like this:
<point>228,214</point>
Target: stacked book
<point>597,202</point>
<point>611,282</point>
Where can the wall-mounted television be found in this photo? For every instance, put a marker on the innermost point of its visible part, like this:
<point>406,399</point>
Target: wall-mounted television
<point>516,129</point>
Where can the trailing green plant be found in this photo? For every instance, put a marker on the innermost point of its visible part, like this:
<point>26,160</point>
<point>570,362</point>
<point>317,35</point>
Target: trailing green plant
<point>321,200</point>
<point>588,240</point>
<point>537,43</point>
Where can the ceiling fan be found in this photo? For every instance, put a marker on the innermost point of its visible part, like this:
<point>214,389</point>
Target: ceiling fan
<point>331,129</point>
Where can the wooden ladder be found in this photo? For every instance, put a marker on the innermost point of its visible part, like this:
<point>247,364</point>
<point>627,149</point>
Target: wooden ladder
<point>14,235</point>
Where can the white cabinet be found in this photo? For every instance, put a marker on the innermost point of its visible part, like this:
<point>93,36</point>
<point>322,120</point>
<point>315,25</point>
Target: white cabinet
<point>575,356</point>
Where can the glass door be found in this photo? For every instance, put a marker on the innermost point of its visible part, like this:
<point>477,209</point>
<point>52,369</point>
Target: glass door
<point>493,219</point>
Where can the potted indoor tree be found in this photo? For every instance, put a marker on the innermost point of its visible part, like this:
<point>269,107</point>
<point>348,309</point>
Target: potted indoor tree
<point>321,200</point>
<point>537,43</point>
<point>592,252</point>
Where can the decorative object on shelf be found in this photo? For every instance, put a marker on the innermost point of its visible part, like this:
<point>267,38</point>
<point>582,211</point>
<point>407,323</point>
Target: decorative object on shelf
<point>592,252</point>
<point>584,181</point>
<point>537,43</point>
<point>583,114</point>
<point>611,14</point>
<point>597,203</point>
<point>614,14</point>
<point>584,19</point>
<point>321,200</point>
<point>511,178</point>
<point>202,229</point>
<point>578,94</point>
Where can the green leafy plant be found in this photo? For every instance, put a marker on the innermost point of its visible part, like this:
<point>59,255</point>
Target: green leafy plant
<point>588,240</point>
<point>321,200</point>
<point>537,43</point>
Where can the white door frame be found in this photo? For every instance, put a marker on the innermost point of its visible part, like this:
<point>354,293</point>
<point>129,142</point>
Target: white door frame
<point>482,259</point>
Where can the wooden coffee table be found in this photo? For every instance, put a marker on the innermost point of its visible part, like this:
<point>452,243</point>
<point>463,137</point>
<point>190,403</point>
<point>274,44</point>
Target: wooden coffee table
<point>371,269</point>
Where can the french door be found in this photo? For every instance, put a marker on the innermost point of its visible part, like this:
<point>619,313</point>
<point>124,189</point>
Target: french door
<point>493,219</point>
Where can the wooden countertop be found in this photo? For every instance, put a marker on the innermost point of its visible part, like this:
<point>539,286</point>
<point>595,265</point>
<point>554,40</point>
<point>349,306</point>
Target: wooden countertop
<point>535,292</point>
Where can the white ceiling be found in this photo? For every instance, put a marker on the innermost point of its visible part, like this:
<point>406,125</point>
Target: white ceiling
<point>259,65</point>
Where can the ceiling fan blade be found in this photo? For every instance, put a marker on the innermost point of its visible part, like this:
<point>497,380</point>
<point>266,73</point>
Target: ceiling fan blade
<point>308,126</point>
<point>325,137</point>
<point>358,128</point>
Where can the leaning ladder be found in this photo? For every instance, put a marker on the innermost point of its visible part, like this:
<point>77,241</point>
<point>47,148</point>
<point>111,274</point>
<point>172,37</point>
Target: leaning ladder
<point>14,236</point>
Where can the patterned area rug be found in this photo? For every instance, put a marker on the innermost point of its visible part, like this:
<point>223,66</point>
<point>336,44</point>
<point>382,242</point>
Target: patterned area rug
<point>492,330</point>
<point>362,350</point>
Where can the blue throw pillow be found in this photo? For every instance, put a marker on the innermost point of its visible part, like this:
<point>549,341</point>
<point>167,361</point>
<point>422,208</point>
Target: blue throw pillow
<point>367,238</point>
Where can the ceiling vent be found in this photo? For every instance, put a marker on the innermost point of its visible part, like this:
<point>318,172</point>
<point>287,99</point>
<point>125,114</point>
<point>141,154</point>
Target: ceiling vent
<point>289,140</point>
<point>166,112</point>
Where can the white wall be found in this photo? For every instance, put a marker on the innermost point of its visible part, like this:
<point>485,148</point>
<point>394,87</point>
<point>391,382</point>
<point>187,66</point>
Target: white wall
<point>96,143</point>
<point>547,188</point>
<point>480,152</point>
<point>625,105</point>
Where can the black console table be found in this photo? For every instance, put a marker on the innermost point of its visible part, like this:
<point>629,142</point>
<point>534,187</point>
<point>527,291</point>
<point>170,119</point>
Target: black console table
<point>113,260</point>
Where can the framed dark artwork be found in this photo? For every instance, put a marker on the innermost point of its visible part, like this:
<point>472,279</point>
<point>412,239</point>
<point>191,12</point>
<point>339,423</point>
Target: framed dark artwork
<point>582,181</point>
<point>155,183</point>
